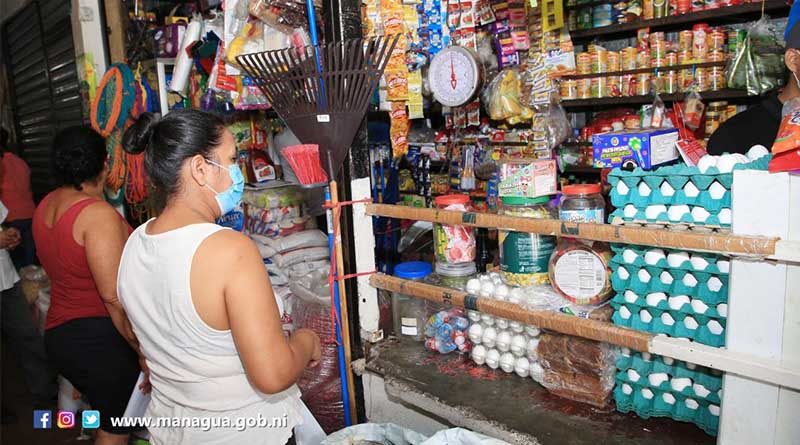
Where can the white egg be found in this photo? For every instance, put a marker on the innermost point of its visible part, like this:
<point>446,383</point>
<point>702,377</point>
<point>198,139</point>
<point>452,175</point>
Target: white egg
<point>676,259</point>
<point>740,158</point>
<point>501,323</point>
<point>625,352</point>
<point>627,389</point>
<point>518,344</point>
<point>622,273</point>
<point>679,383</point>
<point>487,289</point>
<point>487,319</point>
<point>493,358</point>
<point>698,262</point>
<point>653,211</point>
<point>676,303</point>
<point>666,277</point>
<point>645,316</point>
<point>667,319</point>
<point>516,327</point>
<point>715,327</point>
<point>657,378</point>
<point>691,190</point>
<point>507,362</point>
<point>497,282</point>
<point>503,341</point>
<point>644,276</point>
<point>489,337</point>
<point>722,309</point>
<point>692,404</point>
<point>474,316</point>
<point>473,286</point>
<point>668,398</point>
<point>716,190</point>
<point>691,366</point>
<point>653,256</point>
<point>532,348</point>
<point>629,256</point>
<point>725,216</point>
<point>724,266</point>
<point>630,297</point>
<point>537,373</point>
<point>633,376</point>
<point>676,212</point>
<point>514,300</point>
<point>700,214</point>
<point>647,393</point>
<point>666,189</point>
<point>479,354</point>
<point>630,211</point>
<point>726,163</point>
<point>494,275</point>
<point>644,189</point>
<point>706,162</point>
<point>475,333</point>
<point>669,361</point>
<point>522,367</point>
<point>622,188</point>
<point>698,306</point>
<point>646,356</point>
<point>714,284</point>
<point>532,331</point>
<point>690,323</point>
<point>624,313</point>
<point>689,280</point>
<point>714,410</point>
<point>756,152</point>
<point>700,390</point>
<point>501,292</point>
<point>720,394</point>
<point>484,279</point>
<point>655,298</point>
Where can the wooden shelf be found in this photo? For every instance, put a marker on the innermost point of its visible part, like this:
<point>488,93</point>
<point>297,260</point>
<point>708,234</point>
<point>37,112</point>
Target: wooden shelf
<point>645,70</point>
<point>727,14</point>
<point>590,4</point>
<point>627,100</point>
<point>582,170</point>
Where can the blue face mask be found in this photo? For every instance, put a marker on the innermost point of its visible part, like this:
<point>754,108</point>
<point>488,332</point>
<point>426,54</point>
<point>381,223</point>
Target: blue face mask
<point>232,196</point>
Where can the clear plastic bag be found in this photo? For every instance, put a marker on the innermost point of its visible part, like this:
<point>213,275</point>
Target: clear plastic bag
<point>558,126</point>
<point>758,64</point>
<point>502,98</point>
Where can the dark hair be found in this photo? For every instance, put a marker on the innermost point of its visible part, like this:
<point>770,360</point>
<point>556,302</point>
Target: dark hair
<point>79,155</point>
<point>170,141</point>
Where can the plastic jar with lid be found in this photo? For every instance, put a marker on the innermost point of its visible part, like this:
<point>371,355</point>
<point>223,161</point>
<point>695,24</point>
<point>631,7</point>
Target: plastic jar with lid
<point>582,203</point>
<point>524,256</point>
<point>453,244</point>
<point>410,314</point>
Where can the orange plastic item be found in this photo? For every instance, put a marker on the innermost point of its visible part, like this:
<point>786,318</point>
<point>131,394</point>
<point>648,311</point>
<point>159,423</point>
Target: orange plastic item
<point>788,137</point>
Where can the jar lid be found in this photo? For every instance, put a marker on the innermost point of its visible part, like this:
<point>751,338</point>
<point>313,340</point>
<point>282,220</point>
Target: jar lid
<point>525,201</point>
<point>456,269</point>
<point>413,270</point>
<point>581,189</point>
<point>447,200</point>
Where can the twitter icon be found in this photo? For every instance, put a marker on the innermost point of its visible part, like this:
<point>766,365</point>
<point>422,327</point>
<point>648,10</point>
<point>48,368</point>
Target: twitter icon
<point>91,419</point>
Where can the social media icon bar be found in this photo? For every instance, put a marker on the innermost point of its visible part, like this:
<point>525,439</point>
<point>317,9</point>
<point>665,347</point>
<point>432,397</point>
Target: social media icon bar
<point>42,419</point>
<point>90,419</point>
<point>65,419</point>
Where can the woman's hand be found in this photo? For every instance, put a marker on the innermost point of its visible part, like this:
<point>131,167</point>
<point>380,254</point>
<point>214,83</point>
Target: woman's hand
<point>10,238</point>
<point>316,348</point>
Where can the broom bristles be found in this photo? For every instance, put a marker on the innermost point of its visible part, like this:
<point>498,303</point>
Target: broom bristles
<point>305,162</point>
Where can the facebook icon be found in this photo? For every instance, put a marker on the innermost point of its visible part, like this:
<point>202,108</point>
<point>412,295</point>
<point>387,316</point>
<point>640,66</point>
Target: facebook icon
<point>42,419</point>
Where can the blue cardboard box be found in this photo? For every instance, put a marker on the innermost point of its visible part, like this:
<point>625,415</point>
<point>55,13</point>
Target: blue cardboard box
<point>644,148</point>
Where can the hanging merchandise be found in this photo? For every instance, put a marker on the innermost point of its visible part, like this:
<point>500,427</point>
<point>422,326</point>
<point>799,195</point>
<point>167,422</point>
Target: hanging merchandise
<point>758,65</point>
<point>183,60</point>
<point>786,149</point>
<point>502,98</point>
<point>693,108</point>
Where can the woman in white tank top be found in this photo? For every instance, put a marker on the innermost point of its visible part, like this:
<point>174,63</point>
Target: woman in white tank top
<point>200,301</point>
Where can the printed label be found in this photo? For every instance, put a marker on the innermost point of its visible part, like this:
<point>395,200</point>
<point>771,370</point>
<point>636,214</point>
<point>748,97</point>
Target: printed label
<point>526,253</point>
<point>585,216</point>
<point>580,274</point>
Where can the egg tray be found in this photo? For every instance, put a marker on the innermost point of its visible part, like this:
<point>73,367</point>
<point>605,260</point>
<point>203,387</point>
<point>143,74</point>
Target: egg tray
<point>657,407</point>
<point>674,368</point>
<point>702,334</point>
<point>679,197</point>
<point>670,226</point>
<point>677,287</point>
<point>663,306</point>
<point>640,252</point>
<point>686,222</point>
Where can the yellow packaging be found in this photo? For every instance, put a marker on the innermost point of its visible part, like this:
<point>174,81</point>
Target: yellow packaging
<point>584,88</point>
<point>613,87</point>
<point>702,79</point>
<point>584,63</point>
<point>599,60</point>
<point>643,59</point>
<point>569,89</point>
<point>716,78</point>
<point>613,61</point>
<point>643,85</point>
<point>599,87</point>
<point>628,58</point>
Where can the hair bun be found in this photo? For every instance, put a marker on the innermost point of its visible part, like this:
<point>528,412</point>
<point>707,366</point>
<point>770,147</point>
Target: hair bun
<point>137,137</point>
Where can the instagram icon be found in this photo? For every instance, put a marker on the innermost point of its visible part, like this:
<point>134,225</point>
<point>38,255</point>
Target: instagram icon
<point>65,419</point>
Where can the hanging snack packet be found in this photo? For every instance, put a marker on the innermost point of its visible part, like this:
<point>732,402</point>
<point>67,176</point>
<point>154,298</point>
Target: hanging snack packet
<point>693,108</point>
<point>659,110</point>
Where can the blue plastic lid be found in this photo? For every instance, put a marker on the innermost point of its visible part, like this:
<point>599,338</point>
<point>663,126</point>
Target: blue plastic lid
<point>413,270</point>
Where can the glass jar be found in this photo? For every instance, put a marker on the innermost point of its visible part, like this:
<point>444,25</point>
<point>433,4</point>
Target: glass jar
<point>454,276</point>
<point>524,256</point>
<point>453,244</point>
<point>409,314</point>
<point>582,203</point>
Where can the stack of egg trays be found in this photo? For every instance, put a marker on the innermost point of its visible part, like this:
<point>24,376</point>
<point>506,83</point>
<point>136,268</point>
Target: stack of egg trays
<point>700,291</point>
<point>677,176</point>
<point>708,397</point>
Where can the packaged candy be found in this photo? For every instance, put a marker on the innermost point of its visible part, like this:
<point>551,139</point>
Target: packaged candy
<point>693,109</point>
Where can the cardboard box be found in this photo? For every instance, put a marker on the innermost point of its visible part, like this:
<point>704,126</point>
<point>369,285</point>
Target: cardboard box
<point>645,148</point>
<point>529,178</point>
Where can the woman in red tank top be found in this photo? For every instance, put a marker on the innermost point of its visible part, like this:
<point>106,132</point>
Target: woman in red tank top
<point>79,240</point>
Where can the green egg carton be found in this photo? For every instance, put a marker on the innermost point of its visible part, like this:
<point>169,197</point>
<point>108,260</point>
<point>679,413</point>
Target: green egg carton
<point>677,175</point>
<point>712,222</point>
<point>693,390</point>
<point>711,312</point>
<point>709,379</point>
<point>678,329</point>
<point>640,252</point>
<point>679,197</point>
<point>701,290</point>
<point>657,406</point>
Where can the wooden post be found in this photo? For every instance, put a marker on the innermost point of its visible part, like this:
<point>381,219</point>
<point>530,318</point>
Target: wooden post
<point>116,23</point>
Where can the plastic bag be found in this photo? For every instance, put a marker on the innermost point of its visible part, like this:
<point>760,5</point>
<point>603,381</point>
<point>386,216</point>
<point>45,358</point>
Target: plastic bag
<point>659,110</point>
<point>378,433</point>
<point>558,126</point>
<point>306,238</point>
<point>693,108</point>
<point>757,66</point>
<point>502,98</point>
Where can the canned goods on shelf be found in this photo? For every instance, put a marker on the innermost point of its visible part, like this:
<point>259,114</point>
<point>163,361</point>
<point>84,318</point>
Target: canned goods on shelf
<point>599,60</point>
<point>584,63</point>
<point>602,15</point>
<point>713,121</point>
<point>716,56</point>
<point>658,62</point>
<point>643,84</point>
<point>700,41</point>
<point>647,9</point>
<point>628,58</point>
<point>613,61</point>
<point>684,6</point>
<point>669,82</point>
<point>613,86</point>
<point>716,40</point>
<point>701,78</point>
<point>685,40</point>
<point>672,58</point>
<point>569,89</point>
<point>716,78</point>
<point>598,87</point>
<point>684,57</point>
<point>585,18</point>
<point>685,78</point>
<point>584,88</point>
<point>656,37</point>
<point>627,85</point>
<point>643,59</point>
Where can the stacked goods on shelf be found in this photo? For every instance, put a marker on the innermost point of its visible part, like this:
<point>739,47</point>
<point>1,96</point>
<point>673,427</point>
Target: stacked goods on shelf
<point>655,386</point>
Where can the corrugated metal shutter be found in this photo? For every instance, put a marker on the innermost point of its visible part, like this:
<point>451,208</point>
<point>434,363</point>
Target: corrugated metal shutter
<point>43,79</point>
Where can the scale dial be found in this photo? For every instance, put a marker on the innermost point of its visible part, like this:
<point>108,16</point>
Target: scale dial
<point>455,76</point>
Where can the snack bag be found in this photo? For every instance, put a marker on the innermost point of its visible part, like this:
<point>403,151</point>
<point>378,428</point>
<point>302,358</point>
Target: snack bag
<point>788,137</point>
<point>693,108</point>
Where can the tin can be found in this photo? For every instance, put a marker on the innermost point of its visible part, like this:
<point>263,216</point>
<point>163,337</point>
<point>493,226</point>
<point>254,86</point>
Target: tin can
<point>660,8</point>
<point>657,37</point>
<point>700,42</point>
<point>569,89</point>
<point>643,85</point>
<point>701,79</point>
<point>585,18</point>
<point>627,85</point>
<point>584,63</point>
<point>628,58</point>
<point>672,58</point>
<point>647,9</point>
<point>599,87</point>
<point>613,86</point>
<point>584,88</point>
<point>685,78</point>
<point>712,4</point>
<point>716,56</point>
<point>643,59</point>
<point>713,121</point>
<point>599,60</point>
<point>716,78</point>
<point>683,7</point>
<point>685,40</point>
<point>669,83</point>
<point>698,5</point>
<point>613,61</point>
<point>716,40</point>
<point>601,15</point>
<point>572,19</point>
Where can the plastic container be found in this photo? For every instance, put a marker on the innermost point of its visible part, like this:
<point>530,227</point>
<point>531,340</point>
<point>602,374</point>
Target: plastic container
<point>524,257</point>
<point>582,203</point>
<point>580,272</point>
<point>455,275</point>
<point>410,314</point>
<point>453,244</point>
